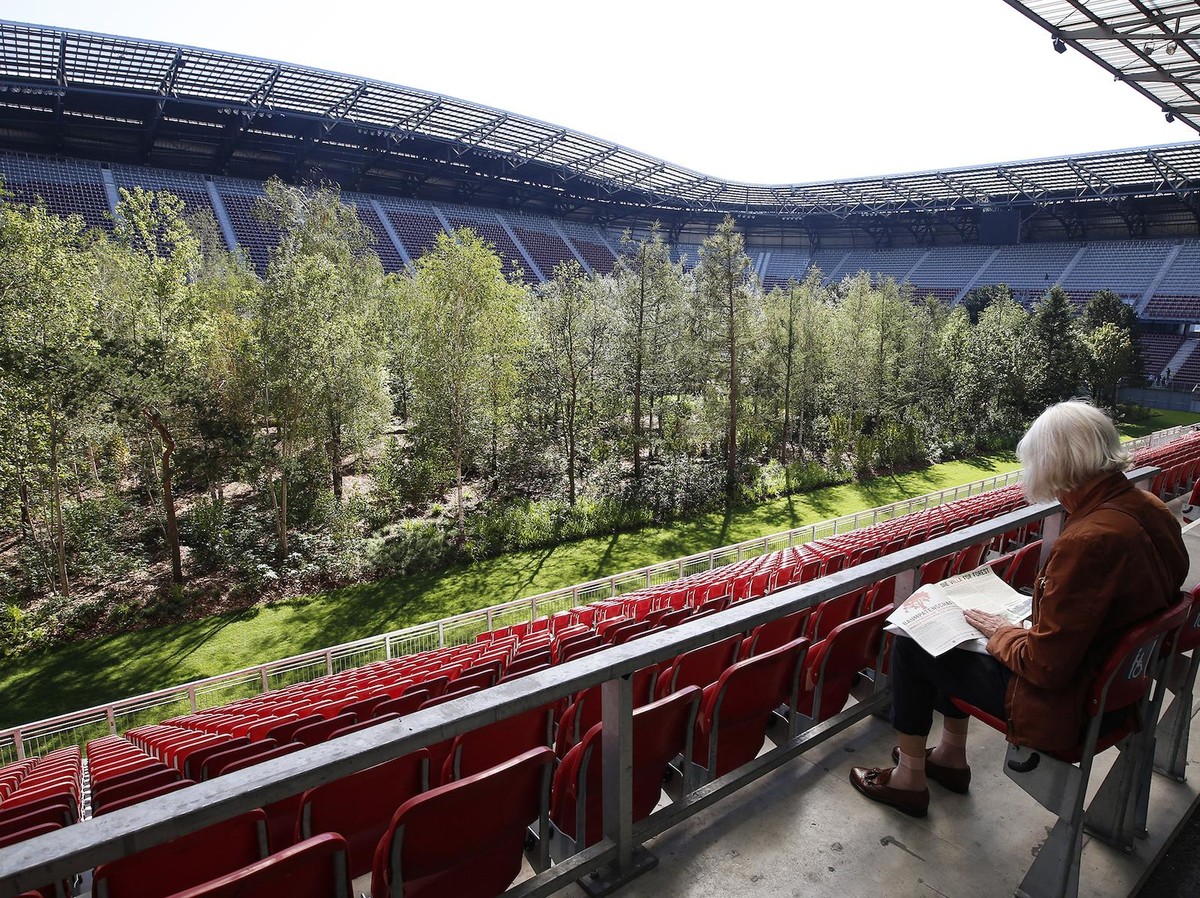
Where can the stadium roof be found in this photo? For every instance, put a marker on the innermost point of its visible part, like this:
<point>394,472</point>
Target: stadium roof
<point>127,100</point>
<point>1151,45</point>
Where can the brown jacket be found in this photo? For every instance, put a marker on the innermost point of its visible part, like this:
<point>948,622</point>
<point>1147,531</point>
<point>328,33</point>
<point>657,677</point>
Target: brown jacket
<point>1119,558</point>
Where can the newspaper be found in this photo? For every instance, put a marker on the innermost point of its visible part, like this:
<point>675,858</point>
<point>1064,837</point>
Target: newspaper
<point>933,615</point>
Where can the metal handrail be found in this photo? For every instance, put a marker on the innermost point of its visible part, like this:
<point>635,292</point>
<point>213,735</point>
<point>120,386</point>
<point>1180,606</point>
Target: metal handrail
<point>77,727</point>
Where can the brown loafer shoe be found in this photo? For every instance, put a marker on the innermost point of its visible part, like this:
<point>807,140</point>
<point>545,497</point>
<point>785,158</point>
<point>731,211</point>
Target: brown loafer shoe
<point>956,779</point>
<point>873,783</point>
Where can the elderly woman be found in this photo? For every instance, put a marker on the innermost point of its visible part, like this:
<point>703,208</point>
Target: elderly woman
<point>1119,558</point>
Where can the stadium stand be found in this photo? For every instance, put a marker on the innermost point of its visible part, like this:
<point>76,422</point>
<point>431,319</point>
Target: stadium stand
<point>1157,350</point>
<point>389,256</point>
<point>1125,267</point>
<point>847,579</point>
<point>546,247</point>
<point>487,226</point>
<point>67,187</point>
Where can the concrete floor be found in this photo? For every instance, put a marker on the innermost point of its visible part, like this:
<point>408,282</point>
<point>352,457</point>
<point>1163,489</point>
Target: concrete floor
<point>804,831</point>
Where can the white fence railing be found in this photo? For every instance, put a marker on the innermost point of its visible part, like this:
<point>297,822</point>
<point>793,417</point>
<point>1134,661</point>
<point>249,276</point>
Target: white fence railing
<point>78,727</point>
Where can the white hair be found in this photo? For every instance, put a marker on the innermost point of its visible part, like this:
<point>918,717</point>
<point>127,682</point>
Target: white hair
<point>1070,443</point>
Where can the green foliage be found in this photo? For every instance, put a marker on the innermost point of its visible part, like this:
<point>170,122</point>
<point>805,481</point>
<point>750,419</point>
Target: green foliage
<point>326,423</point>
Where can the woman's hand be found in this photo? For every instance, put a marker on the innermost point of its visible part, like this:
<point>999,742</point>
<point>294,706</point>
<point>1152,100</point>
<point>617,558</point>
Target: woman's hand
<point>985,623</point>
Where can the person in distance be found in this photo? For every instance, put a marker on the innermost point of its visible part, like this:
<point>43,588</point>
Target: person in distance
<point>1120,558</point>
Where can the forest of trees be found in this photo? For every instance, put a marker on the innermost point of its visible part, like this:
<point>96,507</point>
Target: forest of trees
<point>174,422</point>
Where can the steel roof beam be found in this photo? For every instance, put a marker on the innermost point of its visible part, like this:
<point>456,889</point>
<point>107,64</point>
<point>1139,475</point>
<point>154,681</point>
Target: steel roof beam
<point>165,89</point>
<point>1094,184</point>
<point>532,151</point>
<point>469,140</point>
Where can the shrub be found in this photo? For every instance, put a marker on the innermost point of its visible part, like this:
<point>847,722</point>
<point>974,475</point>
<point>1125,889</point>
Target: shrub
<point>414,546</point>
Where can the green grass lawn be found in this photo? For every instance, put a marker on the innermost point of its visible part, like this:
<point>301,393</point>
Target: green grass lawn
<point>103,670</point>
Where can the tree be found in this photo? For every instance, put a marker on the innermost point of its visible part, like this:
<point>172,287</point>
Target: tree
<point>796,325</point>
<point>48,361</point>
<point>649,287</point>
<point>567,321</point>
<point>466,319</point>
<point>1106,307</point>
<point>1109,357</point>
<point>725,292</point>
<point>1003,368</point>
<point>1057,353</point>
<point>321,337</point>
<point>151,329</point>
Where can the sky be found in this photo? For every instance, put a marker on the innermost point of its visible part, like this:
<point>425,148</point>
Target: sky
<point>753,91</point>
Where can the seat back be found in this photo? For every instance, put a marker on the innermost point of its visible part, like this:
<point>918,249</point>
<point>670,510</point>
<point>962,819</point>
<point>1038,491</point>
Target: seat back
<point>464,838</point>
<point>284,732</point>
<point>63,802</point>
<point>732,721</point>
<point>1129,670</point>
<point>661,730</point>
<point>832,664</point>
<point>361,805</point>
<point>136,797</point>
<point>186,861</point>
<point>625,631</point>
<point>1189,635</point>
<point>699,667</point>
<point>479,749</point>
<point>215,764</point>
<point>318,731</point>
<point>315,868</point>
<point>584,712</point>
<point>195,761</point>
<point>412,700</point>
<point>935,570</point>
<point>1022,570</point>
<point>58,813</point>
<point>124,788</point>
<point>832,612</point>
<point>968,559</point>
<point>774,633</point>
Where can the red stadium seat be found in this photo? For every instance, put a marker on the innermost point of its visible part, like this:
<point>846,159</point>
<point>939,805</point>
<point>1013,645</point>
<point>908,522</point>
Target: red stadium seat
<point>316,733</point>
<point>487,815</point>
<point>187,861</point>
<point>661,731</point>
<point>832,665</point>
<point>775,633</point>
<point>1171,742</point>
<point>477,750</point>
<point>832,612</point>
<point>133,798</point>
<point>1059,780</point>
<point>731,725</point>
<point>361,805</point>
<point>111,791</point>
<point>1023,568</point>
<point>699,667</point>
<point>315,868</point>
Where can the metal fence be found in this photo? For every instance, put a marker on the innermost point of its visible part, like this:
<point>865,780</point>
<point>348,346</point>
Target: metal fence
<point>77,727</point>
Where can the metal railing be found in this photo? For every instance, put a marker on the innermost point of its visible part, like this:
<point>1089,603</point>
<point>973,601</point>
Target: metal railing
<point>75,848</point>
<point>76,728</point>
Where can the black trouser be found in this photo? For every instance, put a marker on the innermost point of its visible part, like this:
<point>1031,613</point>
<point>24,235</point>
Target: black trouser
<point>922,684</point>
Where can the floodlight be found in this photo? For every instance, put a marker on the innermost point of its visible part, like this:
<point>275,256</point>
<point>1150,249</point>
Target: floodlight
<point>1169,116</point>
<point>1172,47</point>
<point>1059,46</point>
